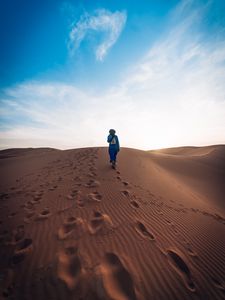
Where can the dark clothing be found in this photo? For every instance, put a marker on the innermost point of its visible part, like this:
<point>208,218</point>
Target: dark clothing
<point>112,154</point>
<point>114,147</point>
<point>113,142</point>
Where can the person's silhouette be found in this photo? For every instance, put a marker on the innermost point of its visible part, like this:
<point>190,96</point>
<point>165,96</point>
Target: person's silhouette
<point>114,146</point>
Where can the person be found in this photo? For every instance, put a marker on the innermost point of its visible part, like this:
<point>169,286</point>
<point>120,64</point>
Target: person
<point>114,146</point>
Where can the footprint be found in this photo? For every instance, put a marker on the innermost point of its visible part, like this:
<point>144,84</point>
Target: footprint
<point>182,269</point>
<point>38,195</point>
<point>65,231</point>
<point>72,227</point>
<point>12,215</point>
<point>117,281</point>
<point>93,169</point>
<point>71,219</point>
<point>23,248</point>
<point>92,183</point>
<point>4,196</point>
<point>126,193</point>
<point>100,223</point>
<point>78,178</point>
<point>70,267</point>
<point>134,203</point>
<point>91,174</point>
<point>52,188</point>
<point>18,234</point>
<point>95,196</point>
<point>80,203</point>
<point>74,193</point>
<point>36,199</point>
<point>30,214</point>
<point>125,183</point>
<point>44,214</point>
<point>29,205</point>
<point>142,230</point>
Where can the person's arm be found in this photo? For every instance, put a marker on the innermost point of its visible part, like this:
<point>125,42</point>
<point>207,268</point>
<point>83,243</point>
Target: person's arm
<point>118,144</point>
<point>110,137</point>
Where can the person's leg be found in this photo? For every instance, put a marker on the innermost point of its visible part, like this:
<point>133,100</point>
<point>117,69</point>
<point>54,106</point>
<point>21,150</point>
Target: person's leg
<point>115,155</point>
<point>111,154</point>
<point>113,161</point>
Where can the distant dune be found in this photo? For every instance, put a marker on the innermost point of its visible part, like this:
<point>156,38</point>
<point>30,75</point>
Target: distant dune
<point>188,150</point>
<point>73,228</point>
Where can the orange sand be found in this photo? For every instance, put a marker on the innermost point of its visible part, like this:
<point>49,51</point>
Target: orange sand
<point>73,228</point>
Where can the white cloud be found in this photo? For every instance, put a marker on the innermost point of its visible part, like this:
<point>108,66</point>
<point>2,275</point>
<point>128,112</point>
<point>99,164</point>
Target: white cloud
<point>101,21</point>
<point>175,95</point>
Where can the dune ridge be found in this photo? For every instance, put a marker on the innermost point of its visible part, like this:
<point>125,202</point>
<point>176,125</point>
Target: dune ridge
<point>73,228</point>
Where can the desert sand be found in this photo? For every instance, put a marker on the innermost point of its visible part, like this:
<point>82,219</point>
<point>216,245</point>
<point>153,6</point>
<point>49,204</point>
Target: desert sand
<point>71,227</point>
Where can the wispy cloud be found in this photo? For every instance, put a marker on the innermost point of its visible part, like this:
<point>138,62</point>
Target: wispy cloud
<point>175,95</point>
<point>101,21</point>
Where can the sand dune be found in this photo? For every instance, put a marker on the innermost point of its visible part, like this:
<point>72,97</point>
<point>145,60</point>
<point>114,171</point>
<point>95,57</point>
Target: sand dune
<point>73,228</point>
<point>189,150</point>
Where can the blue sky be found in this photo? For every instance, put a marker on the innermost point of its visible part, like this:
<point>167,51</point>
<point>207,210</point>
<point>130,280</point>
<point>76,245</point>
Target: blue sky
<point>153,70</point>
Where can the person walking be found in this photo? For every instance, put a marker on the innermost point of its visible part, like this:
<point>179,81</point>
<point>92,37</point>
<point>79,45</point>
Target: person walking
<point>114,146</point>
